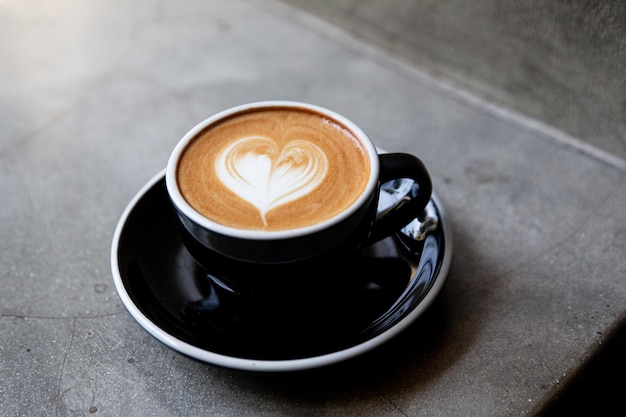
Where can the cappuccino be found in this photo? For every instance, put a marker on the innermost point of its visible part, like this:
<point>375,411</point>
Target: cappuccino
<point>273,169</point>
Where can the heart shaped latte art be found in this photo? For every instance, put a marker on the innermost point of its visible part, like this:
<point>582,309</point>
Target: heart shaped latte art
<point>256,170</point>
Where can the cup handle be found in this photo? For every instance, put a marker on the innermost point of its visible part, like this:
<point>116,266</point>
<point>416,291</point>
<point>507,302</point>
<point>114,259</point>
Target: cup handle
<point>395,166</point>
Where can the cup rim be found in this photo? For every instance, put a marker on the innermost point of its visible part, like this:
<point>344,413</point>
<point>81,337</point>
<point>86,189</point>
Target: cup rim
<point>185,208</point>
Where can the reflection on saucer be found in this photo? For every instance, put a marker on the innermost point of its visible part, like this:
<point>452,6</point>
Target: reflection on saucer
<point>349,307</point>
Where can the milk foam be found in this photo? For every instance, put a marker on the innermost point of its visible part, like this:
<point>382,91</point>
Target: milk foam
<point>258,171</point>
<point>273,169</point>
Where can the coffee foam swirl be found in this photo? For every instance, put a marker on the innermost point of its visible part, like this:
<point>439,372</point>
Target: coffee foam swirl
<point>273,169</point>
<point>255,169</point>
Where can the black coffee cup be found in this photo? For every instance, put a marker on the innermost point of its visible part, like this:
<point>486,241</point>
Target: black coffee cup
<point>343,233</point>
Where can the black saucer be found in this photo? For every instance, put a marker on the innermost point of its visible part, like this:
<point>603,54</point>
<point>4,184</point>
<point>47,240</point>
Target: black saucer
<point>171,297</point>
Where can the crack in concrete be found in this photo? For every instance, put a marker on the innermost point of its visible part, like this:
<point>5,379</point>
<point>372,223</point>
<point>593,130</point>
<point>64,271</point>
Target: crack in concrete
<point>61,394</point>
<point>578,229</point>
<point>74,317</point>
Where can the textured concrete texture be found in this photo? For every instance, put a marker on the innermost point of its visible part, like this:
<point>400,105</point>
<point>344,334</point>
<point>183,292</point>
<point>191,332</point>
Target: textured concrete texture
<point>560,62</point>
<point>93,97</point>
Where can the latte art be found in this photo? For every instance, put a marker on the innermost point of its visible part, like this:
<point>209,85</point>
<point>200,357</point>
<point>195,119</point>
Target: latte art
<point>255,169</point>
<point>273,169</point>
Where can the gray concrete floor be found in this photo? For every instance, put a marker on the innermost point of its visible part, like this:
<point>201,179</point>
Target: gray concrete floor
<point>94,95</point>
<point>561,63</point>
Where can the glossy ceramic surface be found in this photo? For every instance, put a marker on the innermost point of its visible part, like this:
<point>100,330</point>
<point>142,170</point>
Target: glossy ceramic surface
<point>357,304</point>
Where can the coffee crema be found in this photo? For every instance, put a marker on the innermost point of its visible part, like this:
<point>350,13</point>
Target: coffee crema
<point>273,169</point>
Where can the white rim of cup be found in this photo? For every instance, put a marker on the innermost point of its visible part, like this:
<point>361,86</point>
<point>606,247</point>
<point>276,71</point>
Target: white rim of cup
<point>195,216</point>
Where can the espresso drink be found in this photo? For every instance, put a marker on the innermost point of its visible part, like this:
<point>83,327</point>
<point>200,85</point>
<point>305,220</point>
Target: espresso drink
<point>273,169</point>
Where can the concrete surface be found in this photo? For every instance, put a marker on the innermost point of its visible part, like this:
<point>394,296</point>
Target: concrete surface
<point>559,62</point>
<point>94,95</point>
